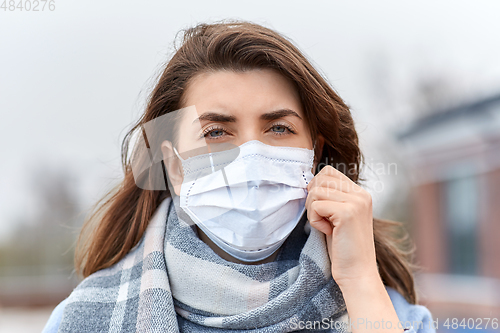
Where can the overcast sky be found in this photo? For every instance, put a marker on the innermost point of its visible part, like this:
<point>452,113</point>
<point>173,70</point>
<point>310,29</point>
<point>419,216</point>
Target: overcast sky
<point>72,80</point>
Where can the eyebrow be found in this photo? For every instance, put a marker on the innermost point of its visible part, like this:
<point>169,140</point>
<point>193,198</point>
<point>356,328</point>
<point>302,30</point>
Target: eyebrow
<point>213,116</point>
<point>279,114</point>
<point>219,117</point>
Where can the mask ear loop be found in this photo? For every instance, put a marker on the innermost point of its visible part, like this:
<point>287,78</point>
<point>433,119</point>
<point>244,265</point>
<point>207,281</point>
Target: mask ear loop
<point>177,153</point>
<point>314,151</point>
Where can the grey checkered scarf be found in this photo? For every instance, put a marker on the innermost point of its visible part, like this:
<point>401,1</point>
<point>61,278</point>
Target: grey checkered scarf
<point>173,282</point>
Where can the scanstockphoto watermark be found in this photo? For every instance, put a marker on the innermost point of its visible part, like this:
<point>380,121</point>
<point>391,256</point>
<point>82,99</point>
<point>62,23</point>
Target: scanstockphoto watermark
<point>28,5</point>
<point>376,169</point>
<point>351,169</point>
<point>359,323</point>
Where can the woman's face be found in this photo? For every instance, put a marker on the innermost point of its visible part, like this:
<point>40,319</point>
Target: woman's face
<point>236,107</point>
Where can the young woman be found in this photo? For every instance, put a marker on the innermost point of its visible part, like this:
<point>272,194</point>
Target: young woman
<point>240,208</point>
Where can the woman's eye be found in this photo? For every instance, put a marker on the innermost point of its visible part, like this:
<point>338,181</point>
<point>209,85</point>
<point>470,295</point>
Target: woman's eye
<point>213,133</point>
<point>216,133</point>
<point>279,128</point>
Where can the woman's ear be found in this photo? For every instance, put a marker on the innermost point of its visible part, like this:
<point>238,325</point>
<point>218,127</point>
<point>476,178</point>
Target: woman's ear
<point>318,149</point>
<point>173,166</point>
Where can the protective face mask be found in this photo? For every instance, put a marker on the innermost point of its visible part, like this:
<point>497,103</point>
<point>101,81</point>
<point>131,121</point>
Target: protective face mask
<point>247,200</point>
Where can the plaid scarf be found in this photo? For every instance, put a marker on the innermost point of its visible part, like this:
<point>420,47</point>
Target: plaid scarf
<point>171,281</point>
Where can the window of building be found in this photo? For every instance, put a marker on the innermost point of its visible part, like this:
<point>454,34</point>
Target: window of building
<point>461,220</point>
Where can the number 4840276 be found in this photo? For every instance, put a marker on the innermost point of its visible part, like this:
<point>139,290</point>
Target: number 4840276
<point>28,5</point>
<point>471,323</point>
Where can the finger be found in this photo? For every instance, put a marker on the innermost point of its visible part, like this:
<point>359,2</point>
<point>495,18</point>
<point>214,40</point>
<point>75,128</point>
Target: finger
<point>332,182</point>
<point>322,193</point>
<point>331,171</point>
<point>323,225</point>
<point>321,214</point>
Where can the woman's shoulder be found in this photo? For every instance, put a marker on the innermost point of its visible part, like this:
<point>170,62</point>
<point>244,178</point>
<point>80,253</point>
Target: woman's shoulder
<point>55,318</point>
<point>416,316</point>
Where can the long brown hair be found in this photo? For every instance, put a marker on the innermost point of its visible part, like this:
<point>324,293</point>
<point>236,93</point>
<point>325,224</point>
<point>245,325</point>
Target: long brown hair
<point>120,219</point>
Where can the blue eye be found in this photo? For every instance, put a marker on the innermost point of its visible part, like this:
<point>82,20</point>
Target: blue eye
<point>279,128</point>
<point>216,133</point>
<point>213,132</point>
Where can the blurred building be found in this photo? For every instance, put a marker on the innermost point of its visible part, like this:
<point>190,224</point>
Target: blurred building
<point>454,157</point>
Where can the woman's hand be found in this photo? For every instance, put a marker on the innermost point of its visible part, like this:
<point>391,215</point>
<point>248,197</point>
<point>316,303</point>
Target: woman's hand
<point>342,210</point>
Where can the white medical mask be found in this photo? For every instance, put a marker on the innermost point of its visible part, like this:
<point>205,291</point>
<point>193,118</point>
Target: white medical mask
<point>247,200</point>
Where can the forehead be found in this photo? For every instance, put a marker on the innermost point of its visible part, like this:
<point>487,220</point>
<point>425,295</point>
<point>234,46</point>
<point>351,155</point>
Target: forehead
<point>257,90</point>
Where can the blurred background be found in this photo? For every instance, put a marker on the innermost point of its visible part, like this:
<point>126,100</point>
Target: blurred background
<point>422,79</point>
